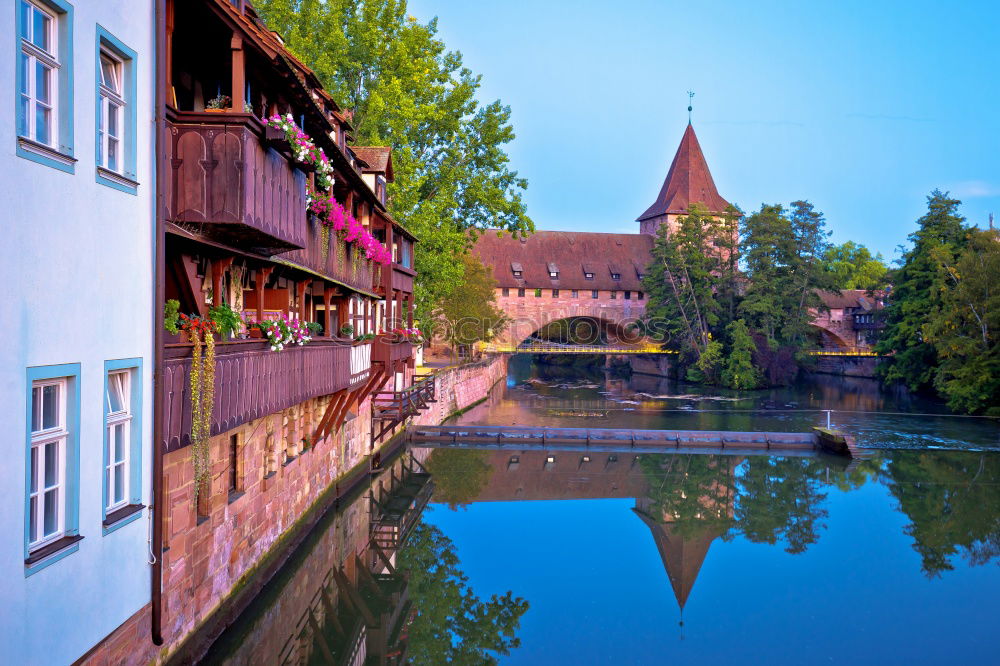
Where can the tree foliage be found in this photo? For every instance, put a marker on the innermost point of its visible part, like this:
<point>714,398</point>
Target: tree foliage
<point>452,624</point>
<point>852,266</point>
<point>965,327</point>
<point>740,372</point>
<point>782,251</point>
<point>407,91</point>
<point>918,284</point>
<point>691,283</point>
<point>467,311</point>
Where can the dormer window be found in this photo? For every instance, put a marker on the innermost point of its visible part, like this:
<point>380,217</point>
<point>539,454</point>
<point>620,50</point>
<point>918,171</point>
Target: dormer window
<point>517,269</point>
<point>553,271</point>
<point>588,276</point>
<point>616,273</point>
<point>616,276</point>
<point>589,271</point>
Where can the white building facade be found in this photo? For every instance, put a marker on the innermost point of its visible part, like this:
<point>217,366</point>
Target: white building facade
<point>76,361</point>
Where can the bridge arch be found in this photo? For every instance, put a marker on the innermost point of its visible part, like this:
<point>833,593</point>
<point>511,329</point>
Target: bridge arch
<point>830,336</point>
<point>529,315</point>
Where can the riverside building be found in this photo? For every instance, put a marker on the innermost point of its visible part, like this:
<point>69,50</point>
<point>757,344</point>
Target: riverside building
<point>76,263</point>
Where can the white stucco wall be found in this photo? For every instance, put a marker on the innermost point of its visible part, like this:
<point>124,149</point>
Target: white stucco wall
<point>76,278</point>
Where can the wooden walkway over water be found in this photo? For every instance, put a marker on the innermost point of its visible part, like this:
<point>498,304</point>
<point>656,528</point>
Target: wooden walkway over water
<point>536,348</point>
<point>642,441</point>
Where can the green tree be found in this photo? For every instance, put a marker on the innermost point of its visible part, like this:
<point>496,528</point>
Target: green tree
<point>459,475</point>
<point>783,254</point>
<point>739,372</point>
<point>468,310</point>
<point>707,369</point>
<point>452,624</point>
<point>407,91</point>
<point>691,284</point>
<point>852,266</point>
<point>918,284</point>
<point>965,327</point>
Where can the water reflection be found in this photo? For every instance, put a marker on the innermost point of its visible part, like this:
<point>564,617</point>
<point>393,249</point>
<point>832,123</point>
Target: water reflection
<point>746,543</point>
<point>374,586</point>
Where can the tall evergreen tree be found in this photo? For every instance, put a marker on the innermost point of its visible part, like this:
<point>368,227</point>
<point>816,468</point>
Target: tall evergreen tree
<point>965,328</point>
<point>452,174</point>
<point>918,285</point>
<point>784,269</point>
<point>739,372</point>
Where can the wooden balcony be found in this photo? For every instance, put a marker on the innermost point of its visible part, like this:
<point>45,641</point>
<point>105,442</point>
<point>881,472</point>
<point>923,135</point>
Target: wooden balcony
<point>225,177</point>
<point>340,262</point>
<point>251,381</point>
<point>387,349</point>
<point>402,279</point>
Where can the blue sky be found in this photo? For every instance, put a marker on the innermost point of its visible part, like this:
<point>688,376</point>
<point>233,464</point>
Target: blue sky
<point>860,107</point>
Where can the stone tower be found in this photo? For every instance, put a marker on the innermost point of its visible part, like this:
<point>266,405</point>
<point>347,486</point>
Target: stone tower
<point>688,181</point>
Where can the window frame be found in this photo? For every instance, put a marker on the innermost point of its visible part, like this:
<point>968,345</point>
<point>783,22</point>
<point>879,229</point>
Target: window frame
<point>49,59</point>
<point>40,440</point>
<point>555,293</point>
<point>575,293</point>
<point>505,291</point>
<point>125,178</point>
<point>122,513</point>
<point>595,294</point>
<point>112,421</point>
<point>520,292</point>
<point>41,553</point>
<point>58,152</point>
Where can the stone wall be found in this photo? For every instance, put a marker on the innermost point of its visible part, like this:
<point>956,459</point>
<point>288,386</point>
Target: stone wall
<point>460,387</point>
<point>848,366</point>
<point>529,313</point>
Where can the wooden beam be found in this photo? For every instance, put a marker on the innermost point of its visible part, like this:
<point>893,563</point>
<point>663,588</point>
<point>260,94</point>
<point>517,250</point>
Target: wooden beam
<point>300,289</point>
<point>262,275</point>
<point>219,266</point>
<point>331,409</point>
<point>238,73</point>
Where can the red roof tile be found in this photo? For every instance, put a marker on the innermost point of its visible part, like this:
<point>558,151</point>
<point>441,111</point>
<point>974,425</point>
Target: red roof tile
<point>688,181</point>
<point>378,159</point>
<point>573,252</point>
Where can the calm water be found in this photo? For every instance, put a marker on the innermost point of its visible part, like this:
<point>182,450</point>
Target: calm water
<point>681,559</point>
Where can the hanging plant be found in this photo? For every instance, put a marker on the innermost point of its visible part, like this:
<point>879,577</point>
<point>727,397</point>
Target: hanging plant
<point>303,148</point>
<point>200,332</point>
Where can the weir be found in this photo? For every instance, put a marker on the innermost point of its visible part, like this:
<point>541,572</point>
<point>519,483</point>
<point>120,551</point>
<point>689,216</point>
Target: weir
<point>641,441</point>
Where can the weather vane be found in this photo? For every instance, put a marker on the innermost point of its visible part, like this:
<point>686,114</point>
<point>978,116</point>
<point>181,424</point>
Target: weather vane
<point>690,98</point>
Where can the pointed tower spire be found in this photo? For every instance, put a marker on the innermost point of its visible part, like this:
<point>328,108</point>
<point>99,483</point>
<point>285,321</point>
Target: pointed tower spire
<point>688,181</point>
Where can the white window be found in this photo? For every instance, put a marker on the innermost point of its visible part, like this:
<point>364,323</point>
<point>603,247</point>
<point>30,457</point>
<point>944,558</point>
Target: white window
<point>47,485</point>
<point>118,403</point>
<point>38,62</point>
<point>110,124</point>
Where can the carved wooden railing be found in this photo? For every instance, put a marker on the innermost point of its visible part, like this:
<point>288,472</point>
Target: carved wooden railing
<point>251,381</point>
<point>226,179</point>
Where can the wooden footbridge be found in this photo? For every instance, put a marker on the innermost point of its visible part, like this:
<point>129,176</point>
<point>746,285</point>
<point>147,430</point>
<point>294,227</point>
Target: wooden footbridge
<point>539,348</point>
<point>639,441</point>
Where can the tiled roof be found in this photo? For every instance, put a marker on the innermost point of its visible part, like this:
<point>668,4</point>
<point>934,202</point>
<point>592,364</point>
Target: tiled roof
<point>574,252</point>
<point>688,181</point>
<point>378,159</point>
<point>850,298</point>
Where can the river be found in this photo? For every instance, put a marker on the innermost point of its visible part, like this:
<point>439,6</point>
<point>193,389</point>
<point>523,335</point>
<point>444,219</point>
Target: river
<point>566,557</point>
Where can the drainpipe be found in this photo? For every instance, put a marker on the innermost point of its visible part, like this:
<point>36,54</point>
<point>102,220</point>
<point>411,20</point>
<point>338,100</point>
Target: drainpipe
<point>159,136</point>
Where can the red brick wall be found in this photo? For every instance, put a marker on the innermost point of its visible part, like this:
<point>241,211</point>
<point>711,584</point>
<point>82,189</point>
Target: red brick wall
<point>529,313</point>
